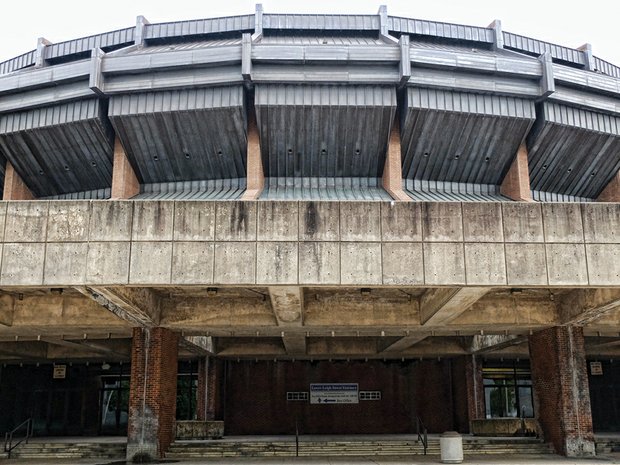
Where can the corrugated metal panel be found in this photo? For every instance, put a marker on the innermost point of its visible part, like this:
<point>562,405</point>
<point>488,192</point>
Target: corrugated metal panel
<point>538,47</point>
<point>321,22</point>
<point>583,98</point>
<point>218,189</point>
<point>540,196</point>
<point>325,74</point>
<point>45,96</point>
<point>462,137</point>
<point>107,40</point>
<point>324,189</point>
<point>320,40</point>
<point>60,149</point>
<point>19,62</point>
<point>324,131</point>
<point>572,151</point>
<point>185,46</point>
<point>199,27</point>
<point>605,67</point>
<point>437,29</point>
<point>586,79</point>
<point>437,191</point>
<point>97,194</point>
<point>183,135</point>
<point>475,82</point>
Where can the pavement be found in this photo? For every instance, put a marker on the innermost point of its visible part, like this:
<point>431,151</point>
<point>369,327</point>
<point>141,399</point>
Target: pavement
<point>612,458</point>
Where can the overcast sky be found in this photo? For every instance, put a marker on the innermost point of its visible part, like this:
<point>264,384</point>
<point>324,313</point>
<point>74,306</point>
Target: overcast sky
<point>570,23</point>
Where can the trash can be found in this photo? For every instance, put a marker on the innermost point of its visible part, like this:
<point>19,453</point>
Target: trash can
<point>451,446</point>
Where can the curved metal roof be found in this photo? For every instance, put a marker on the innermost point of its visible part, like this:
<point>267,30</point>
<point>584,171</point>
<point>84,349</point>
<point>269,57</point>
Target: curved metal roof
<point>326,89</point>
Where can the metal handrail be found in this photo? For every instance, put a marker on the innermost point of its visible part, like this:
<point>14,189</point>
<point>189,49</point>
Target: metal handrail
<point>8,437</point>
<point>296,437</point>
<point>422,433</point>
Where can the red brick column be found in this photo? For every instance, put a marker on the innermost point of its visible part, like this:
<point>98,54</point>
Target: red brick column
<point>475,388</point>
<point>152,393</point>
<point>561,391</point>
<point>14,186</point>
<point>215,388</point>
<point>125,184</point>
<point>516,183</point>
<point>201,390</point>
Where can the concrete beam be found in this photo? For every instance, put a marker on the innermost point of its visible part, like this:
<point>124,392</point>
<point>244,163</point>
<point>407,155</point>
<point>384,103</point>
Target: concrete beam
<point>583,306</point>
<point>24,350</point>
<point>99,347</point>
<point>442,305</point>
<point>482,344</point>
<point>199,345</point>
<point>288,308</point>
<point>139,306</point>
<point>404,343</point>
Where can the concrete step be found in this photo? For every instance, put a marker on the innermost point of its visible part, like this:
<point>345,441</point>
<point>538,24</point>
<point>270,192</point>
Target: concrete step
<point>471,446</point>
<point>58,450</point>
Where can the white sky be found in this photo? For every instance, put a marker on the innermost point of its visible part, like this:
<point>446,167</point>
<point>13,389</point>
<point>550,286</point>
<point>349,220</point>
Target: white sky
<point>570,23</point>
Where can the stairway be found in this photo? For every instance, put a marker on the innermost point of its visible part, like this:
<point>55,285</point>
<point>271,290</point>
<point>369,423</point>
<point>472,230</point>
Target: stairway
<point>605,445</point>
<point>349,447</point>
<point>70,450</point>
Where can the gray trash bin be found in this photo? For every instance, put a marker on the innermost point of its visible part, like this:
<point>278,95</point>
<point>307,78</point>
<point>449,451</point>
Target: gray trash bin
<point>451,446</point>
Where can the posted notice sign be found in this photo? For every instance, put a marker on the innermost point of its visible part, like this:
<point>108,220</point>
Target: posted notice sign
<point>334,393</point>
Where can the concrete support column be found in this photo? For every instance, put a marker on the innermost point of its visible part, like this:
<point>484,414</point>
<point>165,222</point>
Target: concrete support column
<point>392,171</point>
<point>561,391</point>
<point>152,393</point>
<point>516,183</point>
<point>125,184</point>
<point>255,174</point>
<point>611,193</point>
<point>14,186</point>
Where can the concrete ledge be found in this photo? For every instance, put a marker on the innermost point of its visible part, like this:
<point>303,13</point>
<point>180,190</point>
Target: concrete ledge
<point>505,427</point>
<point>167,243</point>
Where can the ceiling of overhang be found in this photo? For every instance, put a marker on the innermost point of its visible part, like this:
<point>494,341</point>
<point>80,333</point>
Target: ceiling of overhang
<point>183,135</point>
<point>572,151</point>
<point>324,131</point>
<point>462,137</point>
<point>61,148</point>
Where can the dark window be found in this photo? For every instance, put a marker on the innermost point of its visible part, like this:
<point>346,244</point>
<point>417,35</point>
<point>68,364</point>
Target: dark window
<point>187,386</point>
<point>508,390</point>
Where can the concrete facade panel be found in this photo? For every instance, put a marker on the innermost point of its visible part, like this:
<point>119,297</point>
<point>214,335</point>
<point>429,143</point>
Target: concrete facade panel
<point>360,263</point>
<point>566,264</point>
<point>235,221</point>
<point>603,264</point>
<point>68,221</point>
<point>107,263</point>
<point>194,221</point>
<point>150,262</point>
<point>278,221</point>
<point>3,206</point>
<point>485,264</point>
<point>276,262</point>
<point>360,221</point>
<point>482,222</point>
<point>403,263</point>
<point>65,263</point>
<point>22,264</point>
<point>192,263</point>
<point>319,263</point>
<point>522,222</point>
<point>26,221</point>
<point>152,220</point>
<point>442,222</point>
<point>562,222</point>
<point>235,263</point>
<point>601,222</point>
<point>110,221</point>
<point>526,264</point>
<point>319,221</point>
<point>401,222</point>
<point>444,264</point>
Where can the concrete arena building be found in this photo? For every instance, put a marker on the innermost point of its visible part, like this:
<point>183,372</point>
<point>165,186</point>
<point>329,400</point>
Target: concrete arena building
<point>202,219</point>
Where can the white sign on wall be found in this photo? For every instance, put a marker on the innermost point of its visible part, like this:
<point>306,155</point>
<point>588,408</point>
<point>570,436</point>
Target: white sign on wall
<point>596,368</point>
<point>334,393</point>
<point>60,371</point>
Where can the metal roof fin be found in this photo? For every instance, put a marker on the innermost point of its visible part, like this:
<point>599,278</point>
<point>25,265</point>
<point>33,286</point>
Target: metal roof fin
<point>258,23</point>
<point>589,57</point>
<point>496,25</point>
<point>39,59</point>
<point>383,26</point>
<point>96,77</point>
<point>139,36</point>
